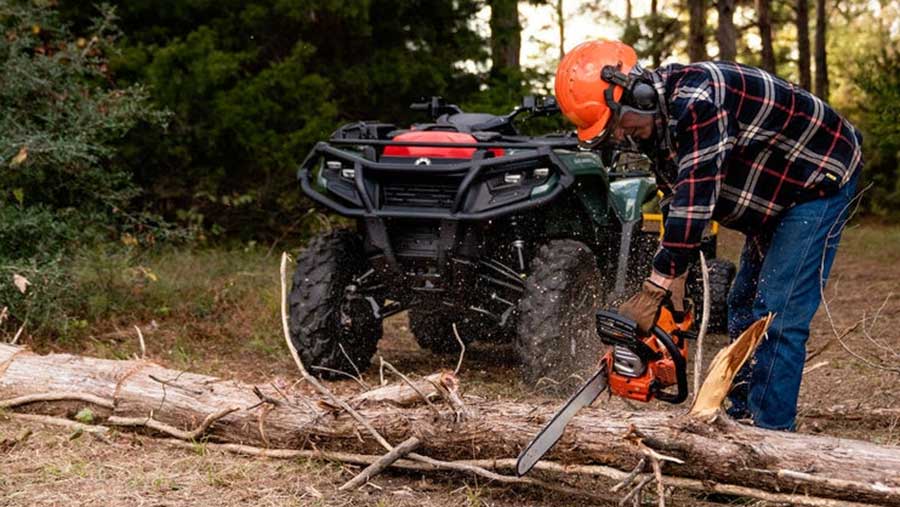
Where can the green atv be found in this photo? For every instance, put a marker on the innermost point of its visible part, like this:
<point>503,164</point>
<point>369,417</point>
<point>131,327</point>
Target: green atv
<point>481,234</point>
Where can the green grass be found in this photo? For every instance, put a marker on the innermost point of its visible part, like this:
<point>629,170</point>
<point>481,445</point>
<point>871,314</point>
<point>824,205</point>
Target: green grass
<point>199,297</point>
<point>198,284</point>
<point>875,242</point>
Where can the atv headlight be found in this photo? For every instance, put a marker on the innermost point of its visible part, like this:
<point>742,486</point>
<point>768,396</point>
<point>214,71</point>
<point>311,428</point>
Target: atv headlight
<point>338,167</point>
<point>541,173</point>
<point>512,178</point>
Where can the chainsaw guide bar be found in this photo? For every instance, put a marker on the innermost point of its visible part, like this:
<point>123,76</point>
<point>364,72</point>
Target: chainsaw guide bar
<point>553,430</point>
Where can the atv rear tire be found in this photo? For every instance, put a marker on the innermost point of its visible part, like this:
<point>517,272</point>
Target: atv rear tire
<point>324,316</point>
<point>433,329</point>
<point>557,342</point>
<point>721,274</point>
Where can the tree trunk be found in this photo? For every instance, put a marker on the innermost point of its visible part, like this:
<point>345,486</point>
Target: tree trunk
<point>765,35</point>
<point>697,30</point>
<point>561,25</point>
<point>726,34</point>
<point>821,55</point>
<point>803,58</point>
<point>131,393</point>
<point>506,36</point>
<point>656,56</point>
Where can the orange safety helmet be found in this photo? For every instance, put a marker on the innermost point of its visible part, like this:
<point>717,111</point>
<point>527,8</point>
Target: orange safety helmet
<point>582,85</point>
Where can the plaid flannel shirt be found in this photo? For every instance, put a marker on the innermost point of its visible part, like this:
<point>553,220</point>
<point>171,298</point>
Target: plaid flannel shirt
<point>740,146</point>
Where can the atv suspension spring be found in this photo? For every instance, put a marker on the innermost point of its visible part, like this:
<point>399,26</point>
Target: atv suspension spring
<point>519,245</point>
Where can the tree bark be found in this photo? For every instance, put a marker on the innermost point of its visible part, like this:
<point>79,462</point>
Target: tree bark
<point>697,30</point>
<point>726,34</point>
<point>656,55</point>
<point>821,55</point>
<point>506,36</point>
<point>765,34</point>
<point>803,57</point>
<point>561,25</point>
<point>719,453</point>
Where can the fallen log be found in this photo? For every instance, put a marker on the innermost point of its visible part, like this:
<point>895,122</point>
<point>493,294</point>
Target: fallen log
<point>719,454</point>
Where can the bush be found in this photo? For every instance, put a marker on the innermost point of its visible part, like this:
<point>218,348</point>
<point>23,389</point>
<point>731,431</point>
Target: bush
<point>880,83</point>
<point>61,184</point>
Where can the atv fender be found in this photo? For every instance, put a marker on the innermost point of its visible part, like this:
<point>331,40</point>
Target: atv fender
<point>628,195</point>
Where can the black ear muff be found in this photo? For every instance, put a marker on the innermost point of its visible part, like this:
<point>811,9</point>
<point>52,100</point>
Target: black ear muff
<point>644,96</point>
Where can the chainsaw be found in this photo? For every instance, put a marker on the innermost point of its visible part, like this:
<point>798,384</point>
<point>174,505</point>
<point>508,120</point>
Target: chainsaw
<point>635,367</point>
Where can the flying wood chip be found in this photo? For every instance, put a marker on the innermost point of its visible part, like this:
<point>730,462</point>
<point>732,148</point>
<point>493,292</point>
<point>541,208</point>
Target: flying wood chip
<point>725,366</point>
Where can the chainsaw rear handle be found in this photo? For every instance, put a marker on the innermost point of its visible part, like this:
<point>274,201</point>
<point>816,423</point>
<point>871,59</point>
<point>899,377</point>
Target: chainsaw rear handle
<point>680,368</point>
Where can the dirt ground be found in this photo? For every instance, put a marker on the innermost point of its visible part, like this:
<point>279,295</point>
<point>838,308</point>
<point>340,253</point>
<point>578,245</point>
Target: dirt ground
<point>48,466</point>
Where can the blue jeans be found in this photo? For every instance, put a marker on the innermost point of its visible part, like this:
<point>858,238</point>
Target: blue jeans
<point>783,271</point>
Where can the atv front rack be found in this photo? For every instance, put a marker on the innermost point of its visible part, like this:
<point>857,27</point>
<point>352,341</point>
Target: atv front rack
<point>351,182</point>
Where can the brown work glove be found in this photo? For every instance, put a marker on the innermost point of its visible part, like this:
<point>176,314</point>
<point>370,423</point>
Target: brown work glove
<point>644,306</point>
<point>676,294</point>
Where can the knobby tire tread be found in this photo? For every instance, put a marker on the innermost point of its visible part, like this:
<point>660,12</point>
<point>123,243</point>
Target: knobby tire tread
<point>323,269</point>
<point>563,272</point>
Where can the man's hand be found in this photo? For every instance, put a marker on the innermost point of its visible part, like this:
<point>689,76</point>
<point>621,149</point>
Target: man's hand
<point>644,306</point>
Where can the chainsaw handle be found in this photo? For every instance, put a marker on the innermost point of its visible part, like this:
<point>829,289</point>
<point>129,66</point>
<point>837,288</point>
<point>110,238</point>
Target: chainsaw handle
<point>680,368</point>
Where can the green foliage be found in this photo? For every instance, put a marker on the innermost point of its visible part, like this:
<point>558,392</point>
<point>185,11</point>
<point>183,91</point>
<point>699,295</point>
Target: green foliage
<point>253,85</point>
<point>62,118</point>
<point>864,65</point>
<point>654,36</point>
<point>31,232</point>
<point>62,184</point>
<point>879,80</point>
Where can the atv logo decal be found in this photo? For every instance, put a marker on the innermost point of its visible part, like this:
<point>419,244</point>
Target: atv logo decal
<point>423,161</point>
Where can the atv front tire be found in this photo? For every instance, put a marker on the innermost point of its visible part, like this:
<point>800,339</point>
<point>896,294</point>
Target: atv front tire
<point>557,342</point>
<point>333,329</point>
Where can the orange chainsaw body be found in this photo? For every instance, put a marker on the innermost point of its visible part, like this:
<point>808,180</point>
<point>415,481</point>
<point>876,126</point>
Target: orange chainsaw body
<point>660,372</point>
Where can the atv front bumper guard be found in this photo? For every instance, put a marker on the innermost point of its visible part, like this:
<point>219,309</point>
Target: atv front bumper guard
<point>476,189</point>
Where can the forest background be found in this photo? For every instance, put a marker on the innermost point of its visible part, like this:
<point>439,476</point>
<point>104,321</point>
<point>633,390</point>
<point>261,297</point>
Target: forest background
<point>146,146</point>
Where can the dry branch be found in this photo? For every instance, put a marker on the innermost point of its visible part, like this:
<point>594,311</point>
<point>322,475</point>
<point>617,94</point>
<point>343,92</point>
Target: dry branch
<point>56,396</point>
<point>405,447</point>
<point>59,421</point>
<point>151,423</point>
<point>704,325</point>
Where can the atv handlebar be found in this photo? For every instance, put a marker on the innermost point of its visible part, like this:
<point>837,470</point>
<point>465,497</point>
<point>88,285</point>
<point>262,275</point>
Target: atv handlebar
<point>435,106</point>
<point>537,105</point>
